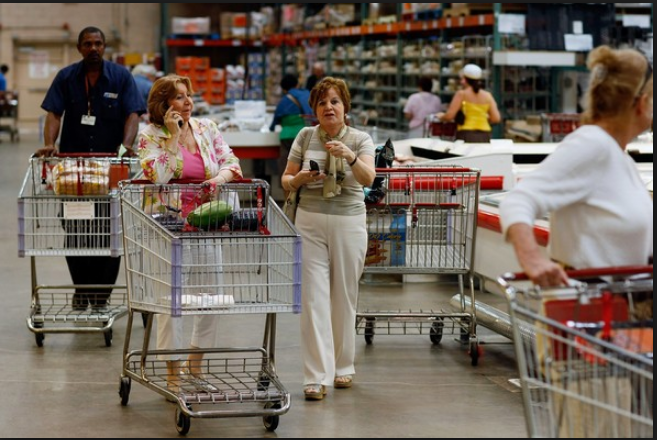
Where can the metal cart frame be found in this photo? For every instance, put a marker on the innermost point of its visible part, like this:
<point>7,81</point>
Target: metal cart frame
<point>259,265</point>
<point>435,128</point>
<point>42,233</point>
<point>424,223</point>
<point>584,353</point>
<point>557,126</point>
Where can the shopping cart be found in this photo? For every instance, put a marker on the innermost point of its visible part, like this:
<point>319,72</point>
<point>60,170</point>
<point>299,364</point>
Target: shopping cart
<point>424,222</point>
<point>435,128</point>
<point>245,259</point>
<point>584,353</point>
<point>68,206</point>
<point>557,126</point>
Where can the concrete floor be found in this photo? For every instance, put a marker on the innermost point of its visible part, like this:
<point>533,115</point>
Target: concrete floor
<point>405,386</point>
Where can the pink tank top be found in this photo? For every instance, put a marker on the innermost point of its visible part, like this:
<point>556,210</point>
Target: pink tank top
<point>192,169</point>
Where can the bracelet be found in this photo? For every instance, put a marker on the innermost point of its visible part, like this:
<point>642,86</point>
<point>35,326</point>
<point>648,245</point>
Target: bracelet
<point>353,162</point>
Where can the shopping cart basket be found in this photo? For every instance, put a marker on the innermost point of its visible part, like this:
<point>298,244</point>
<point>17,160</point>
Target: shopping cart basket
<point>584,353</point>
<point>435,128</point>
<point>424,222</point>
<point>68,206</point>
<point>241,259</point>
<point>557,126</point>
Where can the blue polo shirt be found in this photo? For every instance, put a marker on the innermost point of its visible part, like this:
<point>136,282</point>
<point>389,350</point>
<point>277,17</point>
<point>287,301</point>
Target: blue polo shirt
<point>287,107</point>
<point>114,97</point>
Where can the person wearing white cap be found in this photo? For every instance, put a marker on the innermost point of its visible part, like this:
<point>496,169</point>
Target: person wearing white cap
<point>472,108</point>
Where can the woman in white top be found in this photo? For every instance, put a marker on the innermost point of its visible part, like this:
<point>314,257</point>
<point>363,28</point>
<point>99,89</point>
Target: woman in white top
<point>601,213</point>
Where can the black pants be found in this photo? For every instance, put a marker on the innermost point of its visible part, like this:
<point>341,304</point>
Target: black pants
<point>93,270</point>
<point>474,136</point>
<point>91,235</point>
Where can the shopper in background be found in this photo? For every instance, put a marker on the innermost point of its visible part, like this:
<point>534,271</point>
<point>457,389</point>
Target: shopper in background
<point>420,105</point>
<point>101,105</point>
<point>478,106</point>
<point>177,146</point>
<point>331,221</point>
<point>289,115</point>
<point>144,75</point>
<point>4,69</point>
<point>601,213</point>
<point>318,72</point>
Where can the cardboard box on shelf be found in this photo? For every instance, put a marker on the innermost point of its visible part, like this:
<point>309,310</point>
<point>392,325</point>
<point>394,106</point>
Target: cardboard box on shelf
<point>524,130</point>
<point>193,25</point>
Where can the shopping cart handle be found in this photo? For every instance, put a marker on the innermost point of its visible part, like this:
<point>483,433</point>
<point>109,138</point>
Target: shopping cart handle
<point>84,155</point>
<point>184,181</point>
<point>589,273</point>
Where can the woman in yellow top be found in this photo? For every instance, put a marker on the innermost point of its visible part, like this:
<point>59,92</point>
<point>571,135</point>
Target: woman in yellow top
<point>478,106</point>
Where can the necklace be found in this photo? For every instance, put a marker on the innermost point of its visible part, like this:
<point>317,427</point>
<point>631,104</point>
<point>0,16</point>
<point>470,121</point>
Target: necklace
<point>189,145</point>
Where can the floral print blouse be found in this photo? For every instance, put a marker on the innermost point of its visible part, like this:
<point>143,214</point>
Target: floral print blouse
<point>155,159</point>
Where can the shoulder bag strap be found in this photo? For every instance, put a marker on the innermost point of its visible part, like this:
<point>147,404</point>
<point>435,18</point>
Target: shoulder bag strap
<point>296,101</point>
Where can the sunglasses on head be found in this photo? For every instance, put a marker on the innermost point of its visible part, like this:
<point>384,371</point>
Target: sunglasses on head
<point>646,78</point>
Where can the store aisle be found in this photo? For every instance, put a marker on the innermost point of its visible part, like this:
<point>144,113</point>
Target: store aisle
<point>404,387</point>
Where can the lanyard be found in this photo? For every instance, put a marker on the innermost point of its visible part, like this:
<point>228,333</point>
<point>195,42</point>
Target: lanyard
<point>87,87</point>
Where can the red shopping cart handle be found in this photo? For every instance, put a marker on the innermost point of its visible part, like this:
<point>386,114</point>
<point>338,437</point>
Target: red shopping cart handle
<point>590,273</point>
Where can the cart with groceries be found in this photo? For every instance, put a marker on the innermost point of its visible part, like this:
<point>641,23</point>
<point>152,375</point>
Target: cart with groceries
<point>68,206</point>
<point>585,353</point>
<point>422,221</point>
<point>203,249</point>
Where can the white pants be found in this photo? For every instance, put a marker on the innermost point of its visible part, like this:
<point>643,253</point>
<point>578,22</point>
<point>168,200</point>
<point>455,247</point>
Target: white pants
<point>333,249</point>
<point>202,272</point>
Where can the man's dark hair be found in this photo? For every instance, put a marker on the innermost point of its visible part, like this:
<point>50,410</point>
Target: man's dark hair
<point>4,69</point>
<point>90,30</point>
<point>425,83</point>
<point>289,82</point>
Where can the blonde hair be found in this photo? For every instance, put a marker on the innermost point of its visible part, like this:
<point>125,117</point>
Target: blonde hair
<point>321,89</point>
<point>618,77</point>
<point>163,90</point>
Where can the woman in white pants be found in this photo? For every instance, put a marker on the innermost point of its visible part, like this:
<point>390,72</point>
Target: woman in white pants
<point>332,223</point>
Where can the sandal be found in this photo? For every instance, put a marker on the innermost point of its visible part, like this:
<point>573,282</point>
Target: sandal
<point>199,380</point>
<point>314,391</point>
<point>343,381</point>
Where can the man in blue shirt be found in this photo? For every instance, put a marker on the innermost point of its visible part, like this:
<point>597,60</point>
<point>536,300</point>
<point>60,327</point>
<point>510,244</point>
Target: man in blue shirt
<point>99,98</point>
<point>101,105</point>
<point>144,75</point>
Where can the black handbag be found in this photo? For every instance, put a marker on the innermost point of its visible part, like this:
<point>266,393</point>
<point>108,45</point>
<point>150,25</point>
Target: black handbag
<point>460,117</point>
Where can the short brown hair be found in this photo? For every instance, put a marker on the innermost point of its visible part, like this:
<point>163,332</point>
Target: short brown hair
<point>322,88</point>
<point>163,90</point>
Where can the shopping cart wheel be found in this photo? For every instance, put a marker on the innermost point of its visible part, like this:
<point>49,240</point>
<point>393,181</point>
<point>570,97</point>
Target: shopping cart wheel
<point>475,353</point>
<point>183,422</point>
<point>369,330</point>
<point>271,422</point>
<point>436,331</point>
<point>108,338</point>
<point>39,339</point>
<point>124,390</point>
